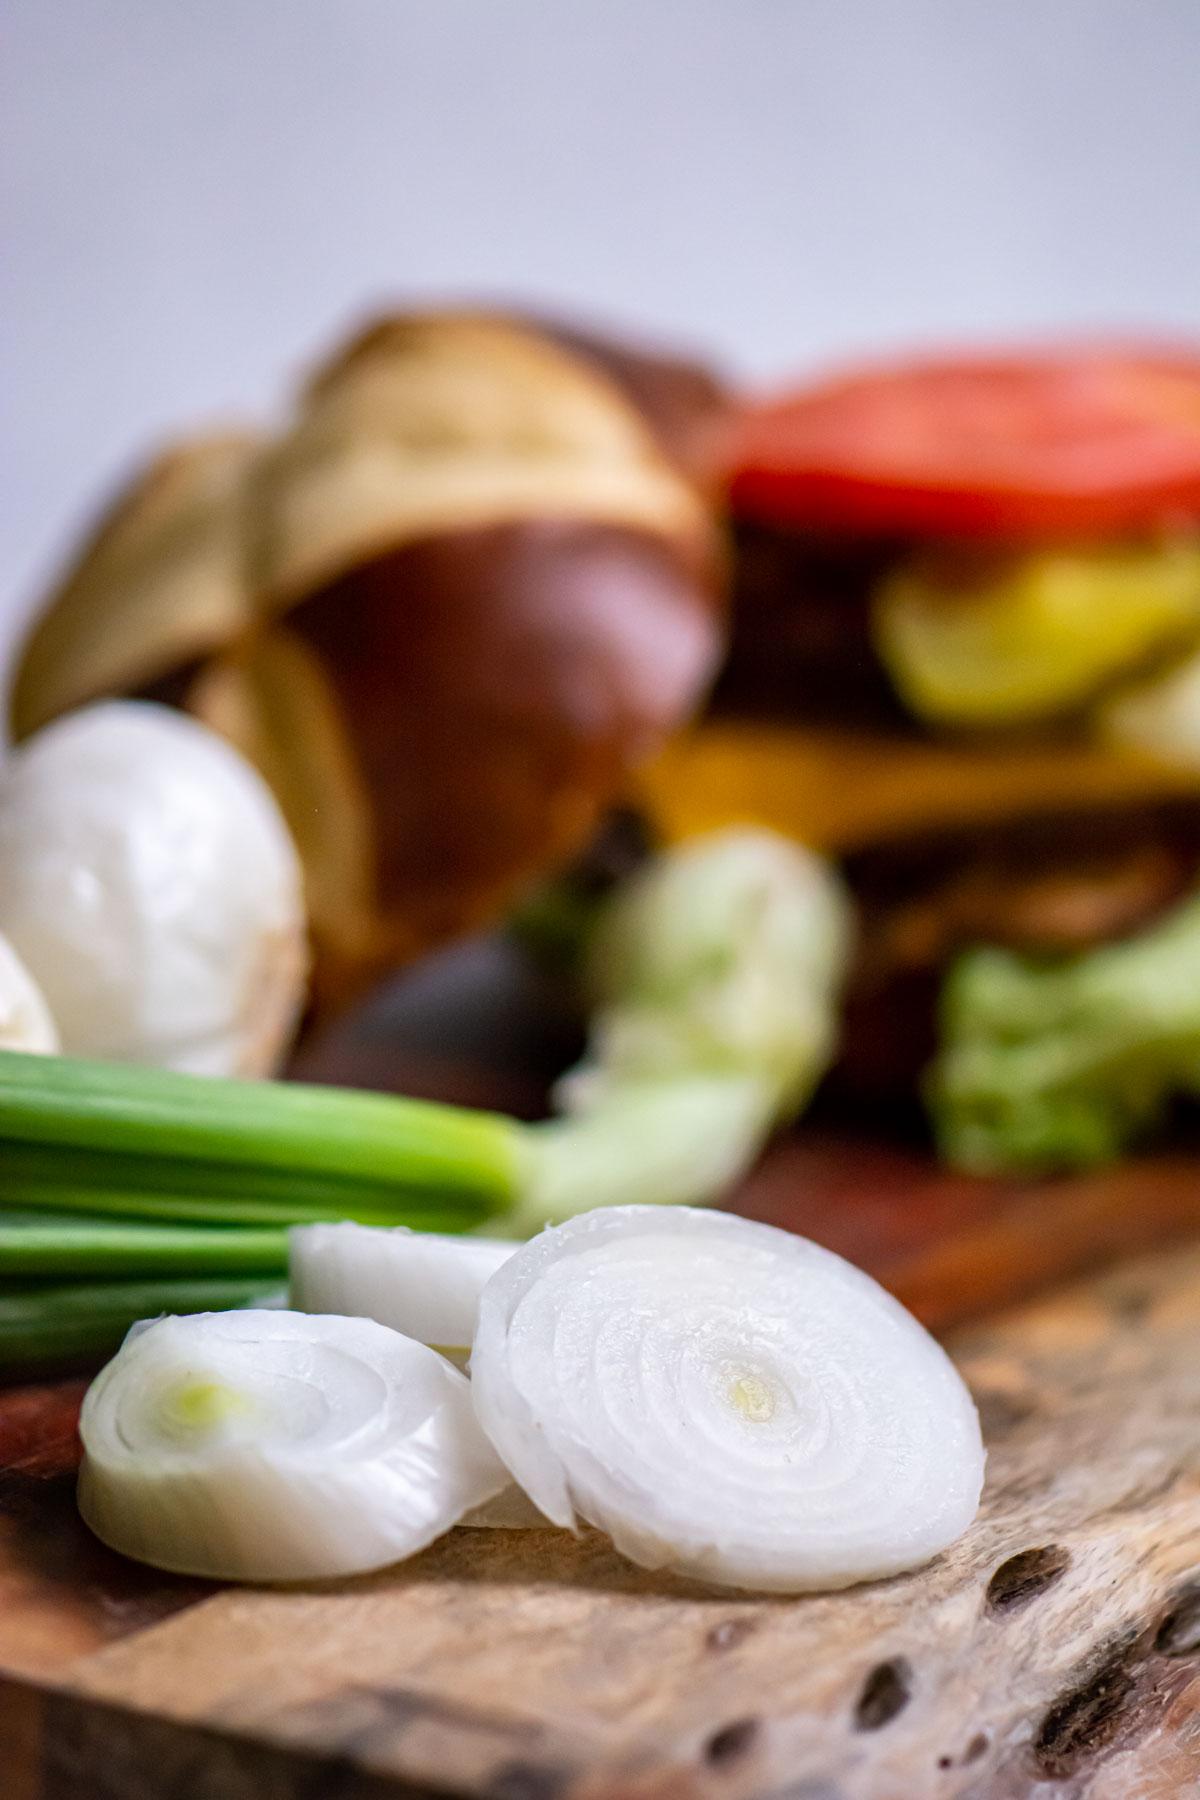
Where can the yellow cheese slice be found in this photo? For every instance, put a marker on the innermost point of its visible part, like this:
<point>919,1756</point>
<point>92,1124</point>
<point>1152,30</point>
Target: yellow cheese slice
<point>839,790</point>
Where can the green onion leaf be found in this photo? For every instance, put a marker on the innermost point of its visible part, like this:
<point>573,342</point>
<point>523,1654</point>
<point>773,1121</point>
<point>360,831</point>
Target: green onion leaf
<point>61,1321</point>
<point>41,1246</point>
<point>117,1138</point>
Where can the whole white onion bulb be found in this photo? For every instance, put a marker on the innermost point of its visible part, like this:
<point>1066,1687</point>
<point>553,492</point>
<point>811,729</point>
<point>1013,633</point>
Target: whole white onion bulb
<point>278,1446</point>
<point>149,884</point>
<point>725,1400</point>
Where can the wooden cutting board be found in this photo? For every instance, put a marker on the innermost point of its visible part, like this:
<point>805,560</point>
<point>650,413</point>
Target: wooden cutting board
<point>1054,1652</point>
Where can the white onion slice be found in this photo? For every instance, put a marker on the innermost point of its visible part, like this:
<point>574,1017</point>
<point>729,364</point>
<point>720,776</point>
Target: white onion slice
<point>418,1282</point>
<point>278,1446</point>
<point>724,1399</point>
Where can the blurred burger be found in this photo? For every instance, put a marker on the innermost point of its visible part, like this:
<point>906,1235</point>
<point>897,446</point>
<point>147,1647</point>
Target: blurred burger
<point>966,660</point>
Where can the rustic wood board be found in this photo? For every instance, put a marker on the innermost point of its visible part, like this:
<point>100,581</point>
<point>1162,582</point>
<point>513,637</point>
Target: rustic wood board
<point>1055,1652</point>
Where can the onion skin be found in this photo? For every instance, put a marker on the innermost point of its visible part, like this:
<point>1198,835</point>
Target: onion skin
<point>500,589</point>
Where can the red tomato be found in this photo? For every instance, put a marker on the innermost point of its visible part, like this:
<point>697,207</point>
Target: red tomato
<point>1091,442</point>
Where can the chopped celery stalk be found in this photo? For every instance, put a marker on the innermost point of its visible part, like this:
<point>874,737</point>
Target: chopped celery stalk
<point>38,1246</point>
<point>1061,1064</point>
<point>56,1321</point>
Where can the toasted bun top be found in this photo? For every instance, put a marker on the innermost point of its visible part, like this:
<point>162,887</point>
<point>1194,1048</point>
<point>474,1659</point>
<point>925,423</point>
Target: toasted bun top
<point>431,423</point>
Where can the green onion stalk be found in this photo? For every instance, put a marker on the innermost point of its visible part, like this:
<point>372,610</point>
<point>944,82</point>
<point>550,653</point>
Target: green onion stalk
<point>127,1191</point>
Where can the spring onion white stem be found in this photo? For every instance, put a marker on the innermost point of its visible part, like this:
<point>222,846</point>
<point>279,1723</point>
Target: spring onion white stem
<point>418,1282</point>
<point>724,954</point>
<point>278,1446</point>
<point>679,1141</point>
<point>725,1400</point>
<point>715,972</point>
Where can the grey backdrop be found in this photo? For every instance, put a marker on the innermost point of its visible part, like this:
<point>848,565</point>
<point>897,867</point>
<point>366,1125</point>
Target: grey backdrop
<point>198,192</point>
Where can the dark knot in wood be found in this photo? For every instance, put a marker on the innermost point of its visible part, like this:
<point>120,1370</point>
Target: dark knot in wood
<point>885,1694</point>
<point>1178,1633</point>
<point>731,1741</point>
<point>1085,1720</point>
<point>1026,1575</point>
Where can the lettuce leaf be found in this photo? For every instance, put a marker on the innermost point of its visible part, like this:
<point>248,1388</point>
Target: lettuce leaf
<point>1060,1064</point>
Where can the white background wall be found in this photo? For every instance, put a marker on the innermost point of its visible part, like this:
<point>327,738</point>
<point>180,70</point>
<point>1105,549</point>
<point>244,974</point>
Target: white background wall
<point>196,193</point>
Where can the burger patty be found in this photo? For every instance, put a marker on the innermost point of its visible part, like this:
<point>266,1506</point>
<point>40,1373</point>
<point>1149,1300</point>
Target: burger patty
<point>1046,885</point>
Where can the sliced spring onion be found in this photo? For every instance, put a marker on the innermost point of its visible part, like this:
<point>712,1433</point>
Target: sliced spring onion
<point>42,1322</point>
<point>278,1446</point>
<point>725,1400</point>
<point>420,1283</point>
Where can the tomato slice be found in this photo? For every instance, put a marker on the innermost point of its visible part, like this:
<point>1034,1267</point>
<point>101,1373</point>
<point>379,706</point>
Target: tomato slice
<point>1089,442</point>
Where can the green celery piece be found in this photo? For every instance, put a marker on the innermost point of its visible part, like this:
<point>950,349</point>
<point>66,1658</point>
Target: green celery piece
<point>218,1137</point>
<point>64,1321</point>
<point>40,1246</point>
